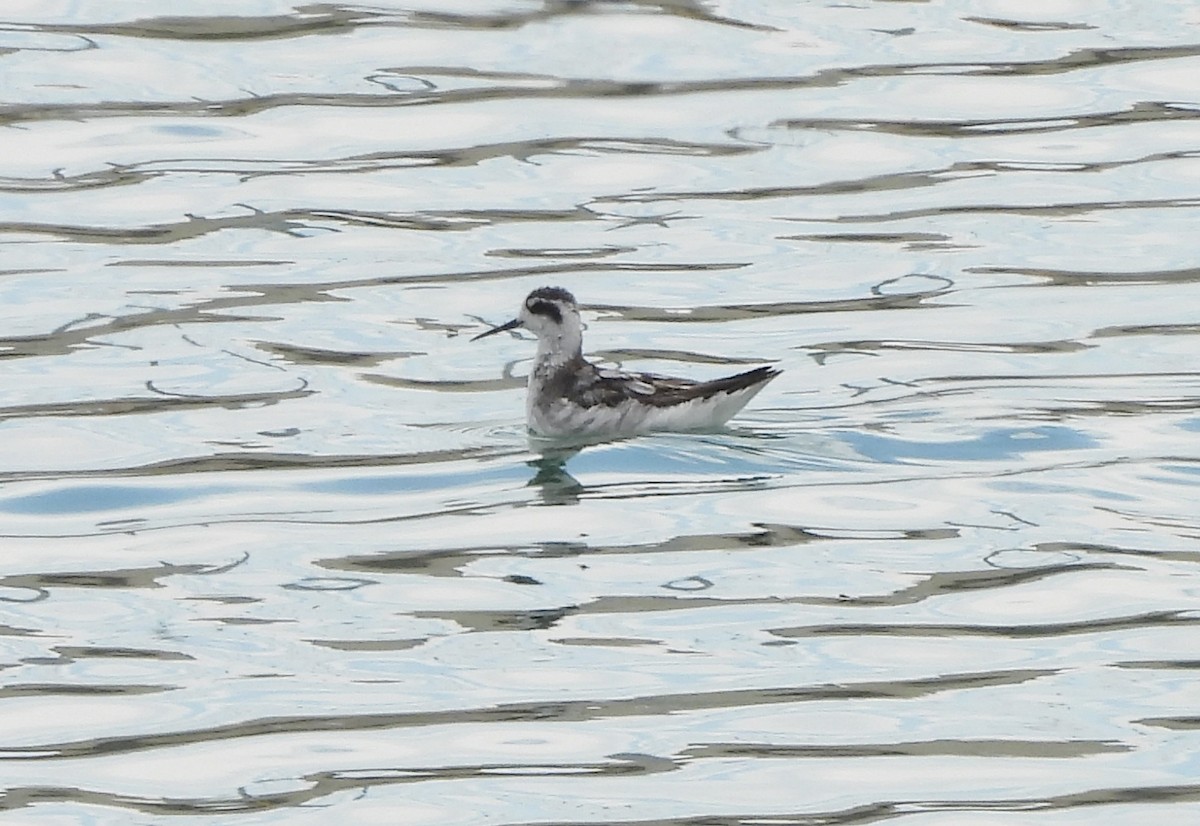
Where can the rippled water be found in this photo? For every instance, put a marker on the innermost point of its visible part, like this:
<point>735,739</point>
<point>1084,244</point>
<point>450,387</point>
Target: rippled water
<point>276,548</point>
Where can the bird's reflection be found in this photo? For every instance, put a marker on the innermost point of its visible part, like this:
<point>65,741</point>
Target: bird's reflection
<point>558,487</point>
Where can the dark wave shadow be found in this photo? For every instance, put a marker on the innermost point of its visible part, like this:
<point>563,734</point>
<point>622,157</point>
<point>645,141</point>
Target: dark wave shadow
<point>426,93</point>
<point>567,710</point>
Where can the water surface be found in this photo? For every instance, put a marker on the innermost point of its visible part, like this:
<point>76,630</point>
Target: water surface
<point>277,548</point>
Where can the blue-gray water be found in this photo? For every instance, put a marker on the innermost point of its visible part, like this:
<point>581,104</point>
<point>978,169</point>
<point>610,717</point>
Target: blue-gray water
<point>274,547</point>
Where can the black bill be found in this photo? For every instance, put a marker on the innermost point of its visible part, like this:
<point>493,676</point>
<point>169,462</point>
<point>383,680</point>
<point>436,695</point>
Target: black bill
<point>512,325</point>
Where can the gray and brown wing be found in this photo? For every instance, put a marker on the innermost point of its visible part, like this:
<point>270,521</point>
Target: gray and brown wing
<point>611,388</point>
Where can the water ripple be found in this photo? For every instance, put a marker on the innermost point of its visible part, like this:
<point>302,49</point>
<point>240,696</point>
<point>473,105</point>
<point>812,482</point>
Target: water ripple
<point>276,542</point>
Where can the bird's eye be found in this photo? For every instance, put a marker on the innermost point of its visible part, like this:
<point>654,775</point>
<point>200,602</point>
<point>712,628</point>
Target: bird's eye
<point>545,308</point>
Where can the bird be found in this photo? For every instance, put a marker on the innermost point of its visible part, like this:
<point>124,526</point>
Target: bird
<point>570,397</point>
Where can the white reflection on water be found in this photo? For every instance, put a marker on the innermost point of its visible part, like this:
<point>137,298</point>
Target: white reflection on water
<point>276,546</point>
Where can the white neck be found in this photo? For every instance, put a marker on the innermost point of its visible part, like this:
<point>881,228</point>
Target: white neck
<point>559,348</point>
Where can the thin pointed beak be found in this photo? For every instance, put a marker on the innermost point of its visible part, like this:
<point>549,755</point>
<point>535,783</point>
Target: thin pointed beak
<point>512,325</point>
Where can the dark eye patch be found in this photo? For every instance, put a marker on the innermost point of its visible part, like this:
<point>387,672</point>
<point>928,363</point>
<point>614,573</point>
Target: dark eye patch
<point>546,308</point>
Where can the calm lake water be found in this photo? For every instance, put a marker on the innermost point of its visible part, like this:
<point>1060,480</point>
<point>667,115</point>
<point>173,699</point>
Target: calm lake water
<point>275,547</point>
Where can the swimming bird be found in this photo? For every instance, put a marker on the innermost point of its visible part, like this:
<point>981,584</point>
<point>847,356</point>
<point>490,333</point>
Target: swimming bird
<point>569,396</point>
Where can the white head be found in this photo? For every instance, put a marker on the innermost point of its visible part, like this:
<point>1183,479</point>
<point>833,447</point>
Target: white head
<point>551,314</point>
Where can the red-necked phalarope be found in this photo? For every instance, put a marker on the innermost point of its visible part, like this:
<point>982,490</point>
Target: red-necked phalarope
<point>569,396</point>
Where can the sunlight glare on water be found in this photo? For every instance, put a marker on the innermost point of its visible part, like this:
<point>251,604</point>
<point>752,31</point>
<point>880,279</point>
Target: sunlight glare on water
<point>277,547</point>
